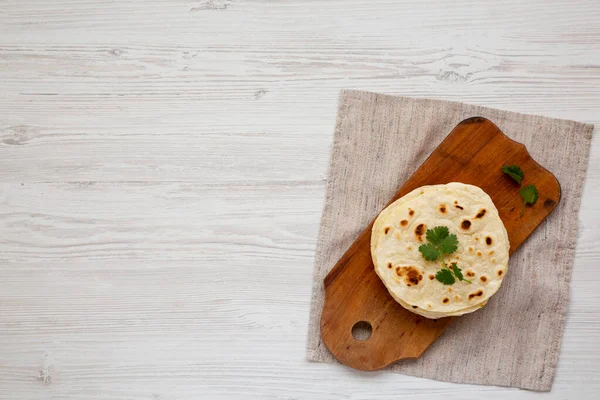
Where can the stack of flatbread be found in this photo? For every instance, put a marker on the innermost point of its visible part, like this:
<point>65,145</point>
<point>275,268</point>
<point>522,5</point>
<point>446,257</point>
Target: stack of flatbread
<point>482,253</point>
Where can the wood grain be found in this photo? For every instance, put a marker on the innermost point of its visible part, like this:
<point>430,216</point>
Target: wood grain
<point>162,169</point>
<point>473,153</point>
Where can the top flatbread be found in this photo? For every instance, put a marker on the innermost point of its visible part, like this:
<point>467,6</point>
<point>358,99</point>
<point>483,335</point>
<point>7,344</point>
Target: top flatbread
<point>482,253</point>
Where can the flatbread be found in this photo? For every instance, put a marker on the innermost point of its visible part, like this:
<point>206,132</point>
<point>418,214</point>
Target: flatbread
<point>436,315</point>
<point>482,253</point>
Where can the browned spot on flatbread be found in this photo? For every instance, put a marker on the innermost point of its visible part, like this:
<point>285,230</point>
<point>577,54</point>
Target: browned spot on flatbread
<point>459,207</point>
<point>470,249</point>
<point>411,275</point>
<point>386,230</point>
<point>500,272</point>
<point>455,201</point>
<point>409,247</point>
<point>481,213</point>
<point>390,265</point>
<point>483,279</point>
<point>479,253</point>
<point>404,222</point>
<point>419,231</point>
<point>476,294</point>
<point>445,300</point>
<point>491,253</point>
<point>488,241</point>
<point>443,209</point>
<point>470,274</point>
<point>466,224</point>
<point>411,212</point>
<point>414,307</point>
<point>431,277</point>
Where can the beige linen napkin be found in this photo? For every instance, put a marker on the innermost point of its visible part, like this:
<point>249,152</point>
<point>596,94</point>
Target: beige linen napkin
<point>379,142</point>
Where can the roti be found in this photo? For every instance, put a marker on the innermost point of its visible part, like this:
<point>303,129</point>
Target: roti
<point>482,253</point>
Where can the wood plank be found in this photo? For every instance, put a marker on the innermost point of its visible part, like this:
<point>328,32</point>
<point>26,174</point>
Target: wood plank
<point>98,100</point>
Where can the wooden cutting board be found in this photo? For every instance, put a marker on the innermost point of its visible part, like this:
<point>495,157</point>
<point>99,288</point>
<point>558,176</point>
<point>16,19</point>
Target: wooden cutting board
<point>472,153</point>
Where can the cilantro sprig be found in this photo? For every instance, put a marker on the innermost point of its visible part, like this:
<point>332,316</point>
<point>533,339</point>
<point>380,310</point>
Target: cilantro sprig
<point>448,275</point>
<point>529,193</point>
<point>514,171</point>
<point>441,243</point>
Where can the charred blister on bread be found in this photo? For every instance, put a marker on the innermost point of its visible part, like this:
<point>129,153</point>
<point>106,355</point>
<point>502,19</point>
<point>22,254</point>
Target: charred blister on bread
<point>411,275</point>
<point>420,231</point>
<point>475,294</point>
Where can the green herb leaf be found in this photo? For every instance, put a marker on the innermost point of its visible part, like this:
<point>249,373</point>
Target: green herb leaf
<point>437,234</point>
<point>529,194</point>
<point>429,251</point>
<point>514,171</point>
<point>458,273</point>
<point>449,244</point>
<point>445,276</point>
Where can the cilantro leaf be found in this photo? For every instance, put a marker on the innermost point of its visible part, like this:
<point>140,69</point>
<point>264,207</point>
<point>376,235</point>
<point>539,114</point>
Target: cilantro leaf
<point>437,234</point>
<point>529,194</point>
<point>445,276</point>
<point>429,251</point>
<point>449,244</point>
<point>514,171</point>
<point>458,273</point>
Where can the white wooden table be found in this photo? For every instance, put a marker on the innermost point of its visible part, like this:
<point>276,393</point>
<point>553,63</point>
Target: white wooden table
<point>162,171</point>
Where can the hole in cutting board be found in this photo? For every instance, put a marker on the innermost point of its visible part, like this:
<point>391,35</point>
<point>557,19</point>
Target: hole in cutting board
<point>362,330</point>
